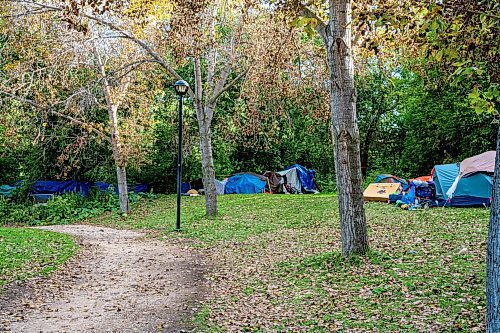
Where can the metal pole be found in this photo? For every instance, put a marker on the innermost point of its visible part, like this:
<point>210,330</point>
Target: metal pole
<point>179,169</point>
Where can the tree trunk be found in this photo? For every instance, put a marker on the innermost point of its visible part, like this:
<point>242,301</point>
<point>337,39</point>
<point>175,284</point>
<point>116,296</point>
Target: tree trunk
<point>204,115</point>
<point>345,132</point>
<point>493,254</point>
<point>207,164</point>
<point>121,174</point>
<point>116,145</point>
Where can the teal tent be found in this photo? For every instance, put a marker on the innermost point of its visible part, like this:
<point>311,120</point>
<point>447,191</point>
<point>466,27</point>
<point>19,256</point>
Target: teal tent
<point>472,190</point>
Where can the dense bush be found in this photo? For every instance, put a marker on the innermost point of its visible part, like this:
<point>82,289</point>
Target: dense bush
<point>60,209</point>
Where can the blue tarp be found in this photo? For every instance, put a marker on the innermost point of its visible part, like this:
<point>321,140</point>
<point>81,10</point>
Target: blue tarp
<point>244,183</point>
<point>60,187</point>
<point>473,190</point>
<point>185,187</point>
<point>392,179</point>
<point>56,187</point>
<point>306,177</point>
<point>409,198</point>
<point>136,188</point>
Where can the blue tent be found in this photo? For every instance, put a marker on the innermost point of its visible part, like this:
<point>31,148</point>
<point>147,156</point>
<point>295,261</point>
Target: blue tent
<point>473,190</point>
<point>245,183</point>
<point>306,177</point>
<point>392,179</point>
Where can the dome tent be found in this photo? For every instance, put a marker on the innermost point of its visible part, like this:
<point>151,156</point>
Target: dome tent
<point>471,190</point>
<point>392,179</point>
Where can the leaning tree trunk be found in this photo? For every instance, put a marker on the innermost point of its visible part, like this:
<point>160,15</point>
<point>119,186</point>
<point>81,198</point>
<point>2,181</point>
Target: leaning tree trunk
<point>121,173</point>
<point>207,164</point>
<point>493,254</point>
<point>345,131</point>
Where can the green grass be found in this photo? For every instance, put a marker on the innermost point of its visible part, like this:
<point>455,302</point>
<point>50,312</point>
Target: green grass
<point>26,253</point>
<point>276,265</point>
<point>240,216</point>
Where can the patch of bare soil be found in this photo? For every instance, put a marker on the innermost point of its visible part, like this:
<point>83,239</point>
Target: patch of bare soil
<point>119,282</point>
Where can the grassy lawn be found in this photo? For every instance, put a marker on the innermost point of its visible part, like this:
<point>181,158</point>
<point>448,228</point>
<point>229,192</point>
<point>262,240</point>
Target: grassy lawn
<point>276,265</point>
<point>25,253</point>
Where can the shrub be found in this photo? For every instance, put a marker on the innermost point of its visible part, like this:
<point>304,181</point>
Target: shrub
<point>62,209</point>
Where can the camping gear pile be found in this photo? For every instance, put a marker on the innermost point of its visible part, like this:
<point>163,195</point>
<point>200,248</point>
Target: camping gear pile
<point>295,179</point>
<point>465,184</point>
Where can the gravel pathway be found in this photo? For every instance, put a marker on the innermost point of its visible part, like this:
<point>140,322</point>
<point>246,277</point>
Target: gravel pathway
<point>120,281</point>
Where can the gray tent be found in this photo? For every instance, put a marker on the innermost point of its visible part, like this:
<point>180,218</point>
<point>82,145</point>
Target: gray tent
<point>220,186</point>
<point>291,179</point>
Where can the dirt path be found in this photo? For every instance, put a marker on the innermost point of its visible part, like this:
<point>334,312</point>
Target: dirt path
<point>120,282</point>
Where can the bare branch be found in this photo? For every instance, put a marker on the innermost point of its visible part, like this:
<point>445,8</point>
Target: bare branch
<point>123,34</point>
<point>57,113</point>
<point>320,27</point>
<point>228,86</point>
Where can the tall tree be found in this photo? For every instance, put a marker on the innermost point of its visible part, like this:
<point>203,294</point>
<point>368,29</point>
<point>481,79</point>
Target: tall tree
<point>210,34</point>
<point>60,91</point>
<point>337,37</point>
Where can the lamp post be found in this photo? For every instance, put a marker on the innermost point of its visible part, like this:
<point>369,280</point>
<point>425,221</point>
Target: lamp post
<point>181,88</point>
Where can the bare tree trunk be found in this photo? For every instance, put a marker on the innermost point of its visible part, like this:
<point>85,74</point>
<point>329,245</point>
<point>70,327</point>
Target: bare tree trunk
<point>493,254</point>
<point>345,132</point>
<point>121,174</point>
<point>204,114</point>
<point>207,164</point>
<point>116,145</point>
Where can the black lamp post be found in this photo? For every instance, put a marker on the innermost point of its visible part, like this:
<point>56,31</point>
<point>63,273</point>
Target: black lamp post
<point>181,88</point>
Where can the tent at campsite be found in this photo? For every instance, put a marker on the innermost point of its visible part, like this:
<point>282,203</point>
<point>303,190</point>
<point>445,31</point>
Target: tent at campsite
<point>245,183</point>
<point>293,180</point>
<point>392,179</point>
<point>469,183</point>
<point>298,179</point>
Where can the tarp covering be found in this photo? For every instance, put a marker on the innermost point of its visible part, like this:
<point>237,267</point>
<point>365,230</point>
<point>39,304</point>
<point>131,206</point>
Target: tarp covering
<point>136,188</point>
<point>245,183</point>
<point>380,191</point>
<point>392,179</point>
<point>6,190</point>
<point>484,162</point>
<point>185,187</point>
<point>474,190</point>
<point>275,181</point>
<point>60,187</point>
<point>306,177</point>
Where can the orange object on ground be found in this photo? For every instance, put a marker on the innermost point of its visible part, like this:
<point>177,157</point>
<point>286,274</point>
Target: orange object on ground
<point>422,178</point>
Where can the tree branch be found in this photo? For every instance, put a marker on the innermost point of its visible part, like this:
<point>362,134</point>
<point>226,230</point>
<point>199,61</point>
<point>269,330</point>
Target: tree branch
<point>320,27</point>
<point>56,113</point>
<point>124,34</point>
<point>228,86</point>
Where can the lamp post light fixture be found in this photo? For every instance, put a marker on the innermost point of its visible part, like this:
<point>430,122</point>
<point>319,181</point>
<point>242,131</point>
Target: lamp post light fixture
<point>181,88</point>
